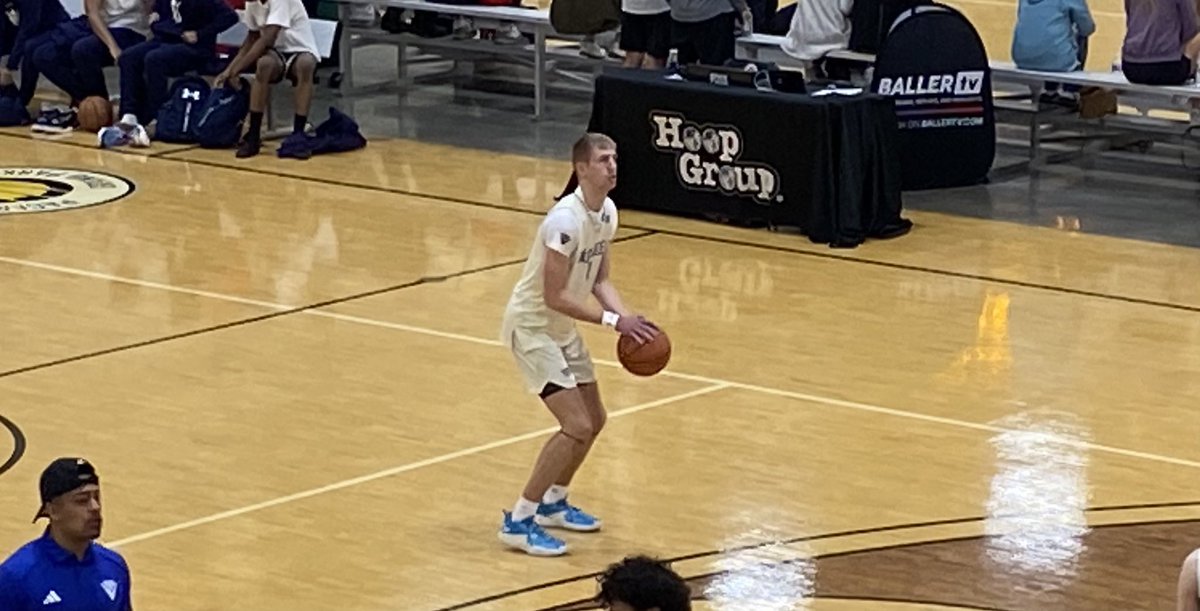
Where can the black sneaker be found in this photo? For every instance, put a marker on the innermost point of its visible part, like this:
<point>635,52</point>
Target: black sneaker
<point>44,118</point>
<point>56,121</point>
<point>248,148</point>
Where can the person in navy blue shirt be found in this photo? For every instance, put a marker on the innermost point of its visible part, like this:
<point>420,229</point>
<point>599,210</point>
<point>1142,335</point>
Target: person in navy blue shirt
<point>185,39</point>
<point>65,570</point>
<point>31,23</point>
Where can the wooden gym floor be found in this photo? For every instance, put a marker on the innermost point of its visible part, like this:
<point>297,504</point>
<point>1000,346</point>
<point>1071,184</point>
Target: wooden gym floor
<point>288,377</point>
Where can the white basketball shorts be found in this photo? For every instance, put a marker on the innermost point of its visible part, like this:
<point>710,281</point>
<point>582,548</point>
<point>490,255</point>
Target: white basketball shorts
<point>541,361</point>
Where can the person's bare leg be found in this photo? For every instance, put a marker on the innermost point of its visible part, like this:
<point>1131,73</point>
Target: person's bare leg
<point>633,59</point>
<point>565,449</point>
<point>266,71</point>
<point>303,69</point>
<point>653,63</point>
<point>596,415</point>
<point>555,510</point>
<point>522,526</point>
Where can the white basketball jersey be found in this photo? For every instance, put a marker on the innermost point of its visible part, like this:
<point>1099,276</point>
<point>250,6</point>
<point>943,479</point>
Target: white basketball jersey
<point>583,236</point>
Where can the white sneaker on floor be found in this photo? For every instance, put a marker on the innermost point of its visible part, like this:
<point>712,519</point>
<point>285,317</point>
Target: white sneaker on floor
<point>611,43</point>
<point>509,34</point>
<point>139,137</point>
<point>590,48</point>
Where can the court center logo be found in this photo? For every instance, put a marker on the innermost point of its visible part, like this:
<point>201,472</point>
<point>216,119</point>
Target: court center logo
<point>48,189</point>
<point>708,158</point>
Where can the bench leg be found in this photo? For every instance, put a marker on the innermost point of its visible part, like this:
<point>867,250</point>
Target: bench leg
<point>346,49</point>
<point>1035,127</point>
<point>402,63</point>
<point>539,73</point>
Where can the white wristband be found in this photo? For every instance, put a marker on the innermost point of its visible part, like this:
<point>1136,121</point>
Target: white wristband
<point>610,319</point>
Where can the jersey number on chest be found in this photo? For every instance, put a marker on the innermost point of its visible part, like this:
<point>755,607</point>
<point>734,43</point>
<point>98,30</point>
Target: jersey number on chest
<point>592,257</point>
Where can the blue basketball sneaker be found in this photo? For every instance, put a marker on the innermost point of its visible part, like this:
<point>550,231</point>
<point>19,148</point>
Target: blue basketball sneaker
<point>528,537</point>
<point>562,514</point>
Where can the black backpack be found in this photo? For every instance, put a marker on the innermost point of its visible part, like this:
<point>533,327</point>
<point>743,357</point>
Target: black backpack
<point>179,114</point>
<point>220,122</point>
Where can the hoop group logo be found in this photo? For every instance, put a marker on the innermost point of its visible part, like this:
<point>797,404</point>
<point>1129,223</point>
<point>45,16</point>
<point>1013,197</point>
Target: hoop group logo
<point>25,190</point>
<point>708,158</point>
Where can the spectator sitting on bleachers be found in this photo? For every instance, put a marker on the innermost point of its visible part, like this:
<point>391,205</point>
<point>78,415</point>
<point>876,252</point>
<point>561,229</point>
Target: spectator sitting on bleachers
<point>77,51</point>
<point>1051,36</point>
<point>279,44</point>
<point>818,28</point>
<point>185,39</point>
<point>1161,42</point>
<point>29,21</point>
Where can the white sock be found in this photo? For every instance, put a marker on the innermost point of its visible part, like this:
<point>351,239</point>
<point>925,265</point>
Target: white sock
<point>555,494</point>
<point>523,509</point>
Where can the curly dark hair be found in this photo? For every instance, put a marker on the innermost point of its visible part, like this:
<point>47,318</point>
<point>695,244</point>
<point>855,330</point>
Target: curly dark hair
<point>644,583</point>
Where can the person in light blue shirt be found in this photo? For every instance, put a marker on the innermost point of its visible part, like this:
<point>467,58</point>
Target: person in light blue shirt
<point>65,569</point>
<point>1051,36</point>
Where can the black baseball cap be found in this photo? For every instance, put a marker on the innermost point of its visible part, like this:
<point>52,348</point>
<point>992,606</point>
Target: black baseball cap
<point>62,476</point>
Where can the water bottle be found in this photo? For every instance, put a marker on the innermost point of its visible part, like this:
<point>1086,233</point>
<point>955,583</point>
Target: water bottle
<point>673,64</point>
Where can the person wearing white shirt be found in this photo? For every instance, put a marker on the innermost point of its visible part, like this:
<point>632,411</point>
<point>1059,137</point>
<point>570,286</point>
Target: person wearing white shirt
<point>280,43</point>
<point>77,51</point>
<point>568,267</point>
<point>818,28</point>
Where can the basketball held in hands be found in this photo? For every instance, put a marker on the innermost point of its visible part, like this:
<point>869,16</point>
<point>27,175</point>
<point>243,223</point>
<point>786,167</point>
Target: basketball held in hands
<point>644,359</point>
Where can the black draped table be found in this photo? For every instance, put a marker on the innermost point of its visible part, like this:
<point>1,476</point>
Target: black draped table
<point>827,165</point>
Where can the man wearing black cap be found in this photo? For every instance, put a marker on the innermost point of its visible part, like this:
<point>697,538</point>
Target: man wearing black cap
<point>65,570</point>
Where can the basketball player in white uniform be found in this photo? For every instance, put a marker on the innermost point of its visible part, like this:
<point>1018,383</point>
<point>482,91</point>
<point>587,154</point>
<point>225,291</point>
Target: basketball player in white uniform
<point>568,263</point>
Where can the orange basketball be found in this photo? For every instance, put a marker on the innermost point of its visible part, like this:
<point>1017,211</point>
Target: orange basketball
<point>644,359</point>
<point>95,113</point>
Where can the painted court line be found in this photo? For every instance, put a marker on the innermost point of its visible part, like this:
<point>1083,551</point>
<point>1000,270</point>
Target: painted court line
<point>347,483</point>
<point>143,283</point>
<point>715,382</point>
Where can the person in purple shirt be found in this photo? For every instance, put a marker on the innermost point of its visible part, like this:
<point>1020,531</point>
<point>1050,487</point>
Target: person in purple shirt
<point>1161,42</point>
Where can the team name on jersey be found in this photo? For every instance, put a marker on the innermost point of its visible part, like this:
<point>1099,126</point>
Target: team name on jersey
<point>598,250</point>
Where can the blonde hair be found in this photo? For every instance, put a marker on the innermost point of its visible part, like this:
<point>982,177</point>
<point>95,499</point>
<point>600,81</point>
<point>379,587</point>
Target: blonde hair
<point>587,144</point>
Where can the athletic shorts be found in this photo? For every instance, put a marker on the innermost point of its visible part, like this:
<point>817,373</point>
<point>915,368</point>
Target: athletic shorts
<point>710,42</point>
<point>649,34</point>
<point>541,361</point>
<point>287,59</point>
